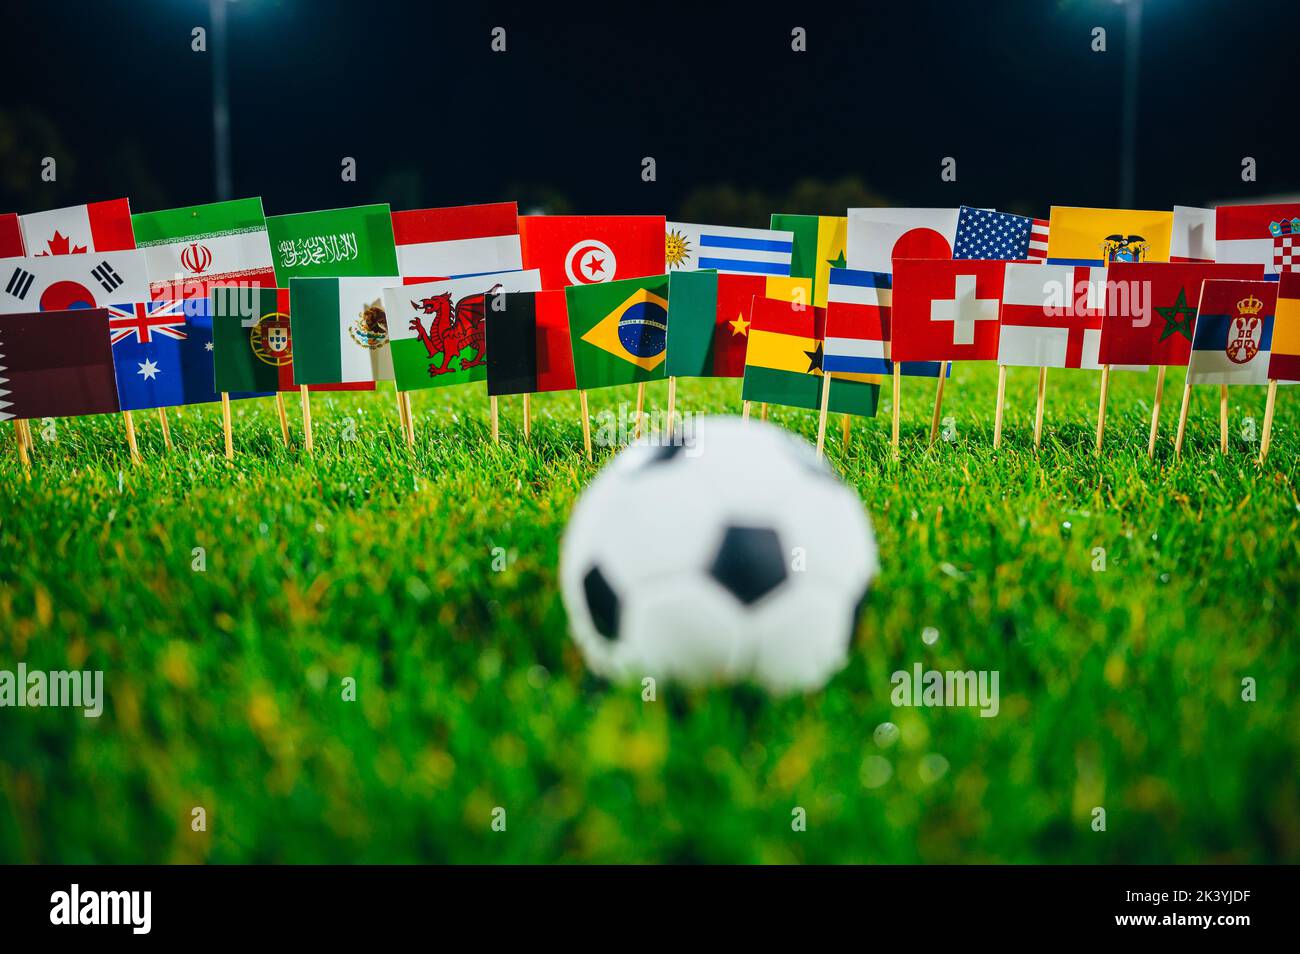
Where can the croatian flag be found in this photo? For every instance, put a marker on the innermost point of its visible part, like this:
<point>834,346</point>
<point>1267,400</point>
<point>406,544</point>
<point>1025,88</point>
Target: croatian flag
<point>858,306</point>
<point>729,250</point>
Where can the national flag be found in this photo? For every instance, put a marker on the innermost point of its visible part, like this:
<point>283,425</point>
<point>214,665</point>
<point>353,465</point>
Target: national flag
<point>1085,236</point>
<point>727,249</point>
<point>56,364</point>
<point>879,237</point>
<point>619,331</point>
<point>986,234</point>
<point>193,249</point>
<point>820,244</point>
<point>340,330</point>
<point>946,310</point>
<point>97,227</point>
<point>437,328</point>
<point>1267,235</point>
<point>862,302</point>
<point>1234,333</point>
<point>783,364</point>
<point>64,282</point>
<point>11,236</point>
<point>335,243</point>
<point>529,348</point>
<point>1150,309</point>
<point>1039,238</point>
<point>708,326</point>
<point>592,249</point>
<point>1284,356</point>
<point>458,241</point>
<point>1193,235</point>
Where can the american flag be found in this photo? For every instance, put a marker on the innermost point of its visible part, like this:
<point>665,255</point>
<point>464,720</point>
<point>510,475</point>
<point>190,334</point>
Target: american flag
<point>999,236</point>
<point>143,319</point>
<point>1038,241</point>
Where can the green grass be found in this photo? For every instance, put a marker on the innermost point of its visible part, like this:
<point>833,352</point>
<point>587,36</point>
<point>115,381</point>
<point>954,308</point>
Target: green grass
<point>1120,688</point>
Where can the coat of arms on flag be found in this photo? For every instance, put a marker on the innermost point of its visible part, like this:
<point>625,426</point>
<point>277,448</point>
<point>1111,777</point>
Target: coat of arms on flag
<point>1081,236</point>
<point>1234,333</point>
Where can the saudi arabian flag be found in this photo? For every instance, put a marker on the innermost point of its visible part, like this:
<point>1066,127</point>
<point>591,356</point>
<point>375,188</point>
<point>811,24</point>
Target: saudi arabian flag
<point>333,244</point>
<point>619,331</point>
<point>192,249</point>
<point>340,330</point>
<point>820,242</point>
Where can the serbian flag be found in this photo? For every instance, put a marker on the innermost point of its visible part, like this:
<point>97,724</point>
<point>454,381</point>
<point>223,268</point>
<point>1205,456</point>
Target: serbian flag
<point>1193,237</point>
<point>1284,359</point>
<point>1234,333</point>
<point>457,242</point>
<point>591,249</point>
<point>11,236</point>
<point>1150,309</point>
<point>1267,235</point>
<point>946,310</point>
<point>97,227</point>
<point>877,237</point>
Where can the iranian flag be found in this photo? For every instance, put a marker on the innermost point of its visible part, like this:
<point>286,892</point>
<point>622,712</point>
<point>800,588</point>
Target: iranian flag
<point>340,331</point>
<point>97,227</point>
<point>191,250</point>
<point>458,241</point>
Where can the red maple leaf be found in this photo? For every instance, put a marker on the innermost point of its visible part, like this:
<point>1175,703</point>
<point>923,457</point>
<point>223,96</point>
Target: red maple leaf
<point>59,246</point>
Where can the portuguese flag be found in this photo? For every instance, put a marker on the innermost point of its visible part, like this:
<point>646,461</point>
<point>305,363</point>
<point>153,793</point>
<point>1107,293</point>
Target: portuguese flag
<point>820,242</point>
<point>528,344</point>
<point>783,364</point>
<point>619,331</point>
<point>710,323</point>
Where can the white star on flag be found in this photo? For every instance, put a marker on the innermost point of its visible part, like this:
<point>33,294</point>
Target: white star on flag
<point>148,370</point>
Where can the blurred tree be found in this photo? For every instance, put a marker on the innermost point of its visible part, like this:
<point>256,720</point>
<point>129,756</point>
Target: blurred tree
<point>537,199</point>
<point>727,205</point>
<point>402,189</point>
<point>26,138</point>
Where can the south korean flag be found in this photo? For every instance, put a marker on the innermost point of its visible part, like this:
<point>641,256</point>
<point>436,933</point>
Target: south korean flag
<point>61,282</point>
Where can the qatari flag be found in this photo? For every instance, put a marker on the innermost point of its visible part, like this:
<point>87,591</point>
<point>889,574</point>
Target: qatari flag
<point>56,364</point>
<point>11,236</point>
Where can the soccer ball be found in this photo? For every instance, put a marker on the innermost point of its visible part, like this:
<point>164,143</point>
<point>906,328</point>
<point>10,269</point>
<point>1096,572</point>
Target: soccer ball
<point>734,555</point>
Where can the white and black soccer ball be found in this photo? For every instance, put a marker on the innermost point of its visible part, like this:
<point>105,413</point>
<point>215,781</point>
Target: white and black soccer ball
<point>734,556</point>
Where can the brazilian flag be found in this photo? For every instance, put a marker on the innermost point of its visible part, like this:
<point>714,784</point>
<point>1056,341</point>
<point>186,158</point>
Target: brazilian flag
<point>619,331</point>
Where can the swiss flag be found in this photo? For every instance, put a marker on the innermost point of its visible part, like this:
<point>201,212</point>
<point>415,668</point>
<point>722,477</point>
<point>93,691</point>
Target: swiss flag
<point>589,249</point>
<point>11,236</point>
<point>946,310</point>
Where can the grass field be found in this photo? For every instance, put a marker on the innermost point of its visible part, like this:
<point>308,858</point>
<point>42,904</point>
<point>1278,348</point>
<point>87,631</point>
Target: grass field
<point>1120,688</point>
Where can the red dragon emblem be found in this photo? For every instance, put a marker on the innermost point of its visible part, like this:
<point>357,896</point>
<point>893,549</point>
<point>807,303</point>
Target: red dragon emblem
<point>452,329</point>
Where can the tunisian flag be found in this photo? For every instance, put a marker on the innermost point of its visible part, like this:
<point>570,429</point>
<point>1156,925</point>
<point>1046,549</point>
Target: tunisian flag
<point>590,249</point>
<point>946,310</point>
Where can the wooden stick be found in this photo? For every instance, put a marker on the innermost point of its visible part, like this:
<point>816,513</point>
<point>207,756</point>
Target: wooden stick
<point>1182,416</point>
<point>306,420</point>
<point>130,437</point>
<point>845,427</point>
<point>25,431</point>
<point>1267,436</point>
<point>22,444</point>
<point>672,403</point>
<point>528,416</point>
<point>166,429</point>
<point>496,422</point>
<point>225,425</point>
<point>762,411</point>
<point>1101,406</point>
<point>1038,411</point>
<point>410,419</point>
<point>997,412</point>
<point>284,417</point>
<point>1155,412</point>
<point>586,424</point>
<point>1223,418</point>
<point>744,410</point>
<point>898,405</point>
<point>938,402</point>
<point>640,405</point>
<point>821,417</point>
<point>401,411</point>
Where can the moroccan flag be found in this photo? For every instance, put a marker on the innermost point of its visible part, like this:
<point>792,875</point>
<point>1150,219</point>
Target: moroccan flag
<point>458,241</point>
<point>1267,235</point>
<point>783,364</point>
<point>528,343</point>
<point>56,364</point>
<point>592,249</point>
<point>859,312</point>
<point>708,325</point>
<point>619,331</point>
<point>97,227</point>
<point>1081,236</point>
<point>11,236</point>
<point>1150,309</point>
<point>333,244</point>
<point>1234,333</point>
<point>64,282</point>
<point>820,242</point>
<point>728,249</point>
<point>437,328</point>
<point>946,310</point>
<point>340,330</point>
<point>1284,356</point>
<point>193,249</point>
<point>878,237</point>
<point>1193,237</point>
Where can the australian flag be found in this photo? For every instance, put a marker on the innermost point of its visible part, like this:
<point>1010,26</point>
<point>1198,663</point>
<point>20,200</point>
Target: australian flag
<point>989,235</point>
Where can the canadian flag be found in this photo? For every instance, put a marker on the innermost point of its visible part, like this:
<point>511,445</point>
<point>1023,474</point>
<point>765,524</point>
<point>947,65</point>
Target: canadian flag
<point>96,227</point>
<point>946,310</point>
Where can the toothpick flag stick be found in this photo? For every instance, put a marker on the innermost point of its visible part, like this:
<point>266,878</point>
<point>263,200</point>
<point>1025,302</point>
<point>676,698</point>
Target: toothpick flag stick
<point>821,417</point>
<point>1268,421</point>
<point>1223,418</point>
<point>898,405</point>
<point>1101,406</point>
<point>672,402</point>
<point>493,414</point>
<point>130,437</point>
<point>586,424</point>
<point>22,445</point>
<point>528,417</point>
<point>225,425</point>
<point>997,413</point>
<point>1038,411</point>
<point>284,417</point>
<point>401,410</point>
<point>762,411</point>
<point>640,404</point>
<point>846,426</point>
<point>306,419</point>
<point>938,402</point>
<point>410,419</point>
<point>1182,417</point>
<point>744,410</point>
<point>25,432</point>
<point>1155,412</point>
<point>166,429</point>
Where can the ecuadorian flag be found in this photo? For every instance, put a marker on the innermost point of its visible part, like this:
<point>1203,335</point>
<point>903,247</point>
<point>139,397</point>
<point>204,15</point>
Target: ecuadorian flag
<point>1093,237</point>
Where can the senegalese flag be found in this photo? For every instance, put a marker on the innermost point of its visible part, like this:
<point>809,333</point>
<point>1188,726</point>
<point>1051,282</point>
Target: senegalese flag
<point>783,364</point>
<point>619,331</point>
<point>820,242</point>
<point>1284,360</point>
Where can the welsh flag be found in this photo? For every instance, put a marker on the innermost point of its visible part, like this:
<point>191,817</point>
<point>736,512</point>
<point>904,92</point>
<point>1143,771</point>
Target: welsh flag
<point>199,247</point>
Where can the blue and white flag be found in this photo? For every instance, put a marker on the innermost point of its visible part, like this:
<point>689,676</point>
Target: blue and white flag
<point>858,307</point>
<point>729,250</point>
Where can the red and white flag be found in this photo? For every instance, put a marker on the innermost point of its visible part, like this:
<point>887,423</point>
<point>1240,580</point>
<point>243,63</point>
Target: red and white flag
<point>588,249</point>
<point>1193,235</point>
<point>11,236</point>
<point>1267,235</point>
<point>1038,241</point>
<point>457,241</point>
<point>946,310</point>
<point>876,237</point>
<point>64,282</point>
<point>96,227</point>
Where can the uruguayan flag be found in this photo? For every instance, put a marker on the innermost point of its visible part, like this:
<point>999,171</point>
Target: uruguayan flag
<point>729,250</point>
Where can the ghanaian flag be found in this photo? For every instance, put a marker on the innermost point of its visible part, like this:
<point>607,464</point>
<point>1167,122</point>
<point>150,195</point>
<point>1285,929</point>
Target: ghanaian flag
<point>1284,358</point>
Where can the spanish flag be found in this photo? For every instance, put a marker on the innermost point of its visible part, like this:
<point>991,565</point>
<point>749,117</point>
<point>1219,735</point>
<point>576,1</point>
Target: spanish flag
<point>1093,237</point>
<point>1284,360</point>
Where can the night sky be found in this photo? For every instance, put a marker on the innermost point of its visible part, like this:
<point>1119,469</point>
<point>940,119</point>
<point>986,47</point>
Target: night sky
<point>1010,88</point>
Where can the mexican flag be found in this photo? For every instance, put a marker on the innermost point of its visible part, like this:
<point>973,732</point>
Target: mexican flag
<point>709,326</point>
<point>458,241</point>
<point>340,330</point>
<point>193,249</point>
<point>820,242</point>
<point>437,329</point>
<point>619,331</point>
<point>783,364</point>
<point>333,244</point>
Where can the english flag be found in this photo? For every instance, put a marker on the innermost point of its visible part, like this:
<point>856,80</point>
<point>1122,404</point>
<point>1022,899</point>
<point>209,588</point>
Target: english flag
<point>877,237</point>
<point>592,249</point>
<point>946,310</point>
<point>1267,235</point>
<point>97,227</point>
